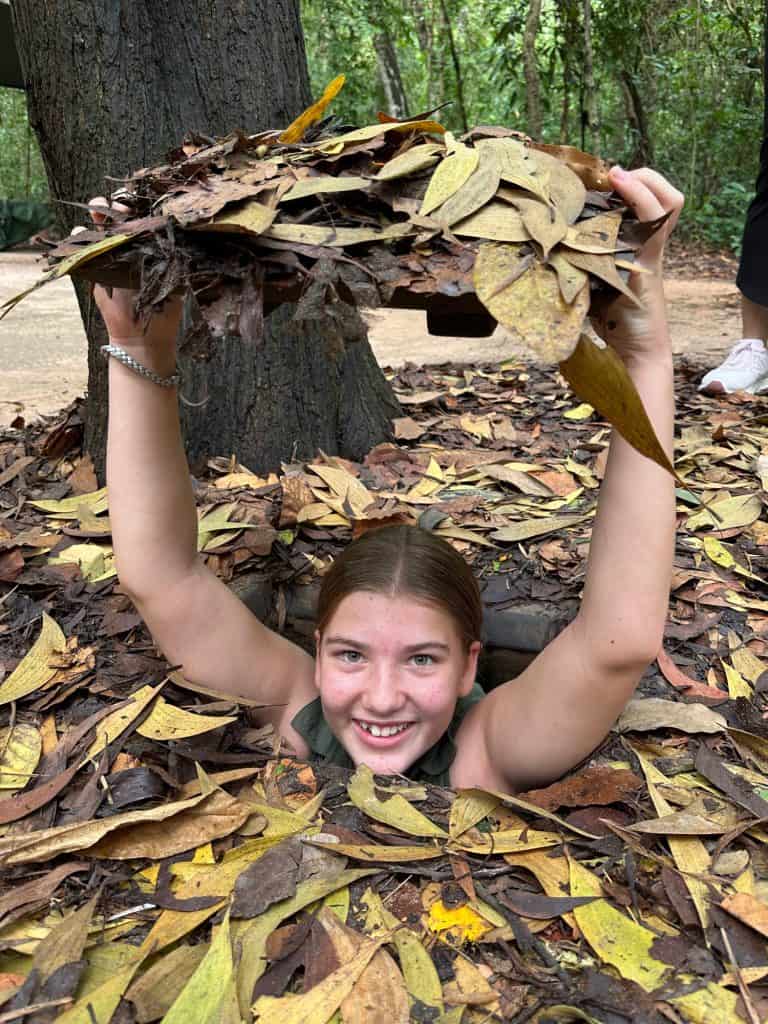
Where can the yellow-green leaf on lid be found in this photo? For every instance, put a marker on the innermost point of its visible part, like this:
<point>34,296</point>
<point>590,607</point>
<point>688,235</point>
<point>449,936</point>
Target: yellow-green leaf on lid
<point>413,160</point>
<point>89,252</point>
<point>518,168</point>
<point>571,279</point>
<point>525,298</point>
<point>34,670</point>
<point>615,938</point>
<point>595,234</point>
<point>455,168</point>
<point>478,189</point>
<point>712,1004</point>
<point>167,722</point>
<point>395,810</point>
<point>325,183</point>
<point>496,221</point>
<point>20,749</point>
<point>469,807</point>
<point>249,218</point>
<point>599,376</point>
<point>371,131</point>
<point>296,129</point>
<point>545,224</point>
<point>315,234</point>
<point>566,189</point>
<point>603,267</point>
<point>201,997</point>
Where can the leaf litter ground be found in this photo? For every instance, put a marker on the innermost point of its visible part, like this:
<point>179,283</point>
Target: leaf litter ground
<point>163,859</point>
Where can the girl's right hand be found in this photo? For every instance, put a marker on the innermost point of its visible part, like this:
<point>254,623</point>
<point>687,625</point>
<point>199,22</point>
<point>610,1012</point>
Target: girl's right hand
<point>117,305</point>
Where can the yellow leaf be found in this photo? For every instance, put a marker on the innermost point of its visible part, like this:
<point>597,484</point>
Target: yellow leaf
<point>464,923</point>
<point>718,553</point>
<point>743,660</point>
<point>529,528</point>
<point>296,129</point>
<point>104,961</point>
<point>109,728</point>
<point>251,218</point>
<point>432,481</point>
<point>321,1001</point>
<point>395,811</point>
<point>478,189</point>
<point>419,971</point>
<point>69,508</point>
<point>413,160</point>
<point>34,670</point>
<point>524,296</point>
<point>315,234</point>
<point>737,685</point>
<point>579,412</point>
<point>99,1005</point>
<point>689,853</point>
<point>172,925</point>
<point>615,938</point>
<point>87,253</point>
<point>453,171</point>
<point>323,183</point>
<point>381,854</point>
<point>727,514</point>
<point>167,722</point>
<point>65,942</point>
<point>478,426</point>
<point>469,807</point>
<point>496,221</point>
<point>339,903</point>
<point>506,841</point>
<point>371,131</point>
<point>600,377</point>
<point>544,223</point>
<point>20,750</point>
<point>551,873</point>
<point>710,1005</point>
<point>95,561</point>
<point>157,989</point>
<point>201,997</point>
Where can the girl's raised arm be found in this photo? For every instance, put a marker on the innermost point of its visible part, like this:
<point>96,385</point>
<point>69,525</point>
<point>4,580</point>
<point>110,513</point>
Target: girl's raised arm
<point>194,618</point>
<point>533,729</point>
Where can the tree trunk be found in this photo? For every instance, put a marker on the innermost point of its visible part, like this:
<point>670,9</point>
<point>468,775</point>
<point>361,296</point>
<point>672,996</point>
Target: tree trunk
<point>456,67</point>
<point>389,73</point>
<point>111,88</point>
<point>535,123</point>
<point>642,155</point>
<point>590,123</point>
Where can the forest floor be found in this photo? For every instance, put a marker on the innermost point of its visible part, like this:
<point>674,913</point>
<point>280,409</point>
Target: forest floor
<point>43,346</point>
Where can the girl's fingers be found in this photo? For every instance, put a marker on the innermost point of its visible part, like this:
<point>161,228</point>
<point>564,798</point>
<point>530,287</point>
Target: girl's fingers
<point>100,207</point>
<point>651,196</point>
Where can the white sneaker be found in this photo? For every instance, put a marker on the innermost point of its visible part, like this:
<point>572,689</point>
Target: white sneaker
<point>745,368</point>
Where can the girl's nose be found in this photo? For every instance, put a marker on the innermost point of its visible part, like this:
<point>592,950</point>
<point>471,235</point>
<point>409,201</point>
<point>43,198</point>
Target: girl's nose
<point>383,695</point>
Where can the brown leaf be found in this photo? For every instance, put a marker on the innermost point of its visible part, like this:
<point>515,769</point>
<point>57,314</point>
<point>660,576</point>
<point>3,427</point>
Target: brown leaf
<point>598,785</point>
<point>598,376</point>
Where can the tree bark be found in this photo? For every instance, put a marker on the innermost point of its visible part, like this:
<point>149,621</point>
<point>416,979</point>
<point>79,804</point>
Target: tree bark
<point>389,74</point>
<point>590,123</point>
<point>642,155</point>
<point>456,67</point>
<point>111,88</point>
<point>535,123</point>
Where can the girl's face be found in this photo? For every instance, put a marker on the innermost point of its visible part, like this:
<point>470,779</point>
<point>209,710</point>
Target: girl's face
<point>389,671</point>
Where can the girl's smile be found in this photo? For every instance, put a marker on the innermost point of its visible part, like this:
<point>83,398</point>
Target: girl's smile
<point>390,670</point>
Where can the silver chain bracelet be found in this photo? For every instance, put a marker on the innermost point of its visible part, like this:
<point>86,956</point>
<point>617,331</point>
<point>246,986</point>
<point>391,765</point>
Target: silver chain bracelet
<point>133,364</point>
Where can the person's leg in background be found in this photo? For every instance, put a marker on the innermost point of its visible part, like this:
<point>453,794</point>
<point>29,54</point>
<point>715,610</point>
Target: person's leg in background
<point>746,366</point>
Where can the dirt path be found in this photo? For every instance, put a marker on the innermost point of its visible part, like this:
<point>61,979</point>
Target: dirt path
<point>42,343</point>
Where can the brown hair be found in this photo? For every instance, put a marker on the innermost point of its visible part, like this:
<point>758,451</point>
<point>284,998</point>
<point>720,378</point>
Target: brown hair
<point>410,561</point>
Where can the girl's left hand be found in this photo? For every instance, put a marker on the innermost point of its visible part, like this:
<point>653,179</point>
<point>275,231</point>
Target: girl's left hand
<point>641,333</point>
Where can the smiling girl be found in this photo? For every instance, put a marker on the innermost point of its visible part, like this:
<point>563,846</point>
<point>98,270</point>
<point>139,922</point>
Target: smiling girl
<point>398,633</point>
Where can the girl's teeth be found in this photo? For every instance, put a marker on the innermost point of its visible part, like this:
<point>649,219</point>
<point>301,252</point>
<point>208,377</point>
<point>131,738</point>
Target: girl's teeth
<point>385,730</point>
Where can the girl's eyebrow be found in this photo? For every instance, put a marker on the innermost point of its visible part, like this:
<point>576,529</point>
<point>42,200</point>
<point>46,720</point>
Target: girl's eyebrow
<point>346,640</point>
<point>435,644</point>
<point>410,649</point>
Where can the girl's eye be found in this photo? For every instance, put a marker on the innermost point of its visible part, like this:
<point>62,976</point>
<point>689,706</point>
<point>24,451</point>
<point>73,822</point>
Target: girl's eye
<point>351,657</point>
<point>422,660</point>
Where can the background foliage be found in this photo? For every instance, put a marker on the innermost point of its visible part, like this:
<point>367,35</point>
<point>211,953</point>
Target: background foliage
<point>678,83</point>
